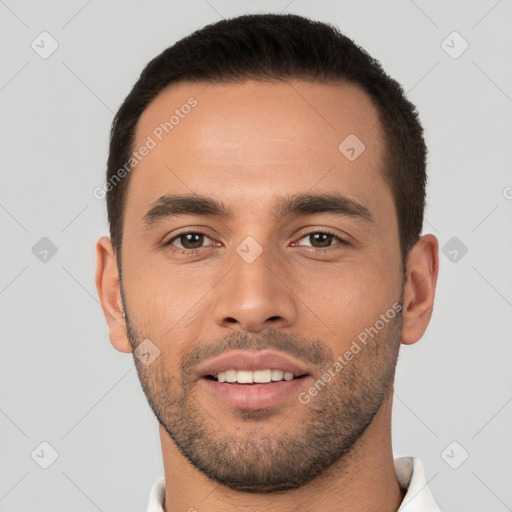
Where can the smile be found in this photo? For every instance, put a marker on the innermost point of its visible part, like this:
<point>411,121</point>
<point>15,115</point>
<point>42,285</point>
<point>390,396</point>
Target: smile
<point>253,377</point>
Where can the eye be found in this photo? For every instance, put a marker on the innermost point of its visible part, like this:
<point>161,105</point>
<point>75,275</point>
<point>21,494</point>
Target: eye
<point>189,241</point>
<point>321,239</point>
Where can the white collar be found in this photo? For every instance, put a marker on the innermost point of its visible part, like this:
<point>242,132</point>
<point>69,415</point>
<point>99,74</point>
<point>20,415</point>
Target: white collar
<point>411,477</point>
<point>409,472</point>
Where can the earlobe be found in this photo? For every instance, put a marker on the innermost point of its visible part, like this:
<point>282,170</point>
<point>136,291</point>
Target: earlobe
<point>109,292</point>
<point>420,287</point>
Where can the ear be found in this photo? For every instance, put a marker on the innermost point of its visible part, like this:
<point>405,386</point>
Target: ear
<point>109,291</point>
<point>420,287</point>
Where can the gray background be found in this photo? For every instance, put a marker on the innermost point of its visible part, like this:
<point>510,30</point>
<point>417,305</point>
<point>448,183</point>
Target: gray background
<point>61,380</point>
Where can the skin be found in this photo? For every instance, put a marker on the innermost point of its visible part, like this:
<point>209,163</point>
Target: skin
<point>244,144</point>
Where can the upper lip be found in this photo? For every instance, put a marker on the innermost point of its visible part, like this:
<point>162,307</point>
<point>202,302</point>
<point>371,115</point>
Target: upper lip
<point>252,360</point>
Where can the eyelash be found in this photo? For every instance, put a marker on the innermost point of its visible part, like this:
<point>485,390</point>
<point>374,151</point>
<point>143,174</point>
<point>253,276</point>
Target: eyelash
<point>191,231</point>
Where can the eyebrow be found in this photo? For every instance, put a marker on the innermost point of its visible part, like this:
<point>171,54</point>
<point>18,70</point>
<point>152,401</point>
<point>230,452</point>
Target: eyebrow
<point>173,205</point>
<point>310,204</point>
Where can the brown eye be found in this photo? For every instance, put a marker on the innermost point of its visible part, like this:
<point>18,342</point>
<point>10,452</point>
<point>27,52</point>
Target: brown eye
<point>191,240</point>
<point>188,240</point>
<point>320,239</point>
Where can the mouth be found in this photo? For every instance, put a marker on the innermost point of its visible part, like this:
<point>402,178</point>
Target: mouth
<point>248,377</point>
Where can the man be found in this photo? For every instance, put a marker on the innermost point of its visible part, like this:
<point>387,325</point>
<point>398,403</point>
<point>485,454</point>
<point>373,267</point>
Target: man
<point>265,192</point>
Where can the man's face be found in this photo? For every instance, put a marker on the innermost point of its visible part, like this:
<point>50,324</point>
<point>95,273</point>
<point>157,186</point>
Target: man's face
<point>301,282</point>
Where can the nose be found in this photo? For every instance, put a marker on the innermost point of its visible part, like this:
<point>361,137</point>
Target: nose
<point>255,296</point>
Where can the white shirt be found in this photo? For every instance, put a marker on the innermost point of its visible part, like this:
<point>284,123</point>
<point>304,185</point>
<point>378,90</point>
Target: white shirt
<point>409,472</point>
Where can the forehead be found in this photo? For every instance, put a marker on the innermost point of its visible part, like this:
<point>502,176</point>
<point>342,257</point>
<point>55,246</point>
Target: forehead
<point>245,141</point>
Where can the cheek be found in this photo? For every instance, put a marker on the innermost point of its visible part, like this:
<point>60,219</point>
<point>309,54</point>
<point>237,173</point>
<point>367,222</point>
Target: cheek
<point>165,300</point>
<point>345,299</point>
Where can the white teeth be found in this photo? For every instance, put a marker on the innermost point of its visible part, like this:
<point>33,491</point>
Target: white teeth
<point>244,377</point>
<point>257,377</point>
<point>230,375</point>
<point>262,376</point>
<point>277,374</point>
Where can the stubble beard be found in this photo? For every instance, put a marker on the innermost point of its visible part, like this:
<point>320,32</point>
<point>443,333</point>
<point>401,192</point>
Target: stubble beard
<point>327,428</point>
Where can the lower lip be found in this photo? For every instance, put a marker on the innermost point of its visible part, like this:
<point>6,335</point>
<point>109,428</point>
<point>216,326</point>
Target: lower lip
<point>254,396</point>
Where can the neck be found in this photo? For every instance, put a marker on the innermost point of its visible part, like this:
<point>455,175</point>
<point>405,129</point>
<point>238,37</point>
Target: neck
<point>364,479</point>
